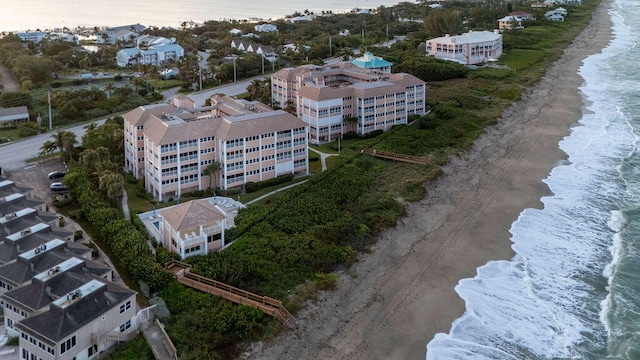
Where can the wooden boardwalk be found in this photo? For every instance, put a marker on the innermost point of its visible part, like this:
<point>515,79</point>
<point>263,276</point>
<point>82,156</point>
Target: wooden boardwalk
<point>422,160</point>
<point>266,304</point>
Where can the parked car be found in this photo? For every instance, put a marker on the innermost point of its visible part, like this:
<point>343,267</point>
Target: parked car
<point>57,174</point>
<point>57,187</point>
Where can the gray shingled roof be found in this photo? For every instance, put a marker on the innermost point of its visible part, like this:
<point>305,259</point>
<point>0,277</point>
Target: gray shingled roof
<point>63,319</point>
<point>22,270</point>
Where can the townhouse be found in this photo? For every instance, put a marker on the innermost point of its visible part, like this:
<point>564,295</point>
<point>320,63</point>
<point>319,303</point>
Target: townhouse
<point>474,47</point>
<point>343,97</point>
<point>55,299</point>
<point>171,146</point>
<point>81,324</point>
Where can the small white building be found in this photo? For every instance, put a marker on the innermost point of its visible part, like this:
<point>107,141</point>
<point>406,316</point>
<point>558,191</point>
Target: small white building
<point>195,227</point>
<point>32,36</point>
<point>266,28</point>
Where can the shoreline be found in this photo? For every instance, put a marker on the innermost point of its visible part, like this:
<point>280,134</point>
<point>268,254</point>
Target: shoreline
<point>394,300</point>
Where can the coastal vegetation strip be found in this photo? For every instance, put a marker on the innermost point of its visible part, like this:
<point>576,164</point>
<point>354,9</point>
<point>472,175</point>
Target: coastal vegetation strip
<point>288,247</point>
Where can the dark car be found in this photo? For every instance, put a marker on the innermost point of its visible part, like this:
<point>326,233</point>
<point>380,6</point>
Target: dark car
<point>57,174</point>
<point>57,187</point>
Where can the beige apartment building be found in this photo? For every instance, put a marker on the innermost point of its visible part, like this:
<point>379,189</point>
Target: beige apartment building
<point>340,98</point>
<point>171,146</point>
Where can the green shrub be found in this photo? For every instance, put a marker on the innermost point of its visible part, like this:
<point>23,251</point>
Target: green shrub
<point>77,235</point>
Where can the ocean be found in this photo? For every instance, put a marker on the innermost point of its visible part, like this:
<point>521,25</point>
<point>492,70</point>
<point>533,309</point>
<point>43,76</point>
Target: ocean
<point>42,14</point>
<point>572,291</point>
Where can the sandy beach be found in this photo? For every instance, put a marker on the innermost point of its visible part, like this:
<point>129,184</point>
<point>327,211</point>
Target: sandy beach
<point>392,302</point>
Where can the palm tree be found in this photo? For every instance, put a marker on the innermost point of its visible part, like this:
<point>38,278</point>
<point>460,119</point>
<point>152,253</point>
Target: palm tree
<point>213,168</point>
<point>112,184</point>
<point>65,141</point>
<point>108,86</point>
<point>255,89</point>
<point>91,126</point>
<point>47,148</point>
<point>290,107</point>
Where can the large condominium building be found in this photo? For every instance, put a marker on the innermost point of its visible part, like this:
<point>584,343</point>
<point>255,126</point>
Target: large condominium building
<point>473,47</point>
<point>171,147</point>
<point>339,98</point>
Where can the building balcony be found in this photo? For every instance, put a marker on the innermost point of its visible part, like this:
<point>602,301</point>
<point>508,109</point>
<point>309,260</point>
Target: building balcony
<point>191,239</point>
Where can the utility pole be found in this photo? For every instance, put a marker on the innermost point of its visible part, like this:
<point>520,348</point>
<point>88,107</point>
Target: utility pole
<point>330,49</point>
<point>200,73</point>
<point>49,99</point>
<point>234,69</point>
<point>262,64</point>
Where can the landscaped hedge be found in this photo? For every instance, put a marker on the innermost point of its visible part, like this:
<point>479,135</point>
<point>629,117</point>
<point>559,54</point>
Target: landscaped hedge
<point>122,237</point>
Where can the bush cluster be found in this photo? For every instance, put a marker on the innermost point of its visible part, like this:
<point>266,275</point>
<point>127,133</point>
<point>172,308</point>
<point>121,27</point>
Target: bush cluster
<point>125,241</point>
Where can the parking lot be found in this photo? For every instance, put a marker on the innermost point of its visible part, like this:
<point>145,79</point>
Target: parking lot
<point>35,177</point>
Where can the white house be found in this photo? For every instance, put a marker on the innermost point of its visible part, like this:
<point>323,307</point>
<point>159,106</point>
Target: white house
<point>556,14</point>
<point>122,33</point>
<point>236,32</point>
<point>473,47</point>
<point>554,17</point>
<point>265,28</point>
<point>150,50</point>
<point>32,36</point>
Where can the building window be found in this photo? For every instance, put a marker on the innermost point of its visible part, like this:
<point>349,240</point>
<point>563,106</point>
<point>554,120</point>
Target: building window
<point>214,237</point>
<point>126,306</point>
<point>93,349</point>
<point>68,345</point>
<point>126,326</point>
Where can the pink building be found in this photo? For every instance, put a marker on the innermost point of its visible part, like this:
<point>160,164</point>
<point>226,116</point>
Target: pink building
<point>474,47</point>
<point>340,98</point>
<point>171,147</point>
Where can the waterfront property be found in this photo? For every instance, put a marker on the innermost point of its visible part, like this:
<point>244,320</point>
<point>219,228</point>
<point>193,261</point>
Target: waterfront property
<point>172,146</point>
<point>195,227</point>
<point>343,97</point>
<point>474,47</point>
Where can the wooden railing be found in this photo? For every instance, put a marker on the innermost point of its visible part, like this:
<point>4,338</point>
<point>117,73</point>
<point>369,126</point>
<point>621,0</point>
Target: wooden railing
<point>398,157</point>
<point>266,304</point>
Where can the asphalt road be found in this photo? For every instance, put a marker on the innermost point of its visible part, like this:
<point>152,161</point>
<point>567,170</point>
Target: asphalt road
<point>232,89</point>
<point>14,155</point>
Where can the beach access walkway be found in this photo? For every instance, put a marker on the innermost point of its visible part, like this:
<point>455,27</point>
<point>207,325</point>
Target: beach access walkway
<point>266,304</point>
<point>422,160</point>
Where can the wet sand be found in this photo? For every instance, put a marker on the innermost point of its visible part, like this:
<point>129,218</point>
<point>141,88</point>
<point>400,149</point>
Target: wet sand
<point>393,301</point>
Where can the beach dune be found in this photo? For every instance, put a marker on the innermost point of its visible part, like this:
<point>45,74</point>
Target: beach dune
<point>393,301</point>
